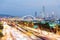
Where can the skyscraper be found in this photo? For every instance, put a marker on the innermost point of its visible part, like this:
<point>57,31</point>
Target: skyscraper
<point>43,11</point>
<point>35,14</point>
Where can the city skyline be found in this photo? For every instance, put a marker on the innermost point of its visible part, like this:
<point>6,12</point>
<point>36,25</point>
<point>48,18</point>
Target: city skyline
<point>28,7</point>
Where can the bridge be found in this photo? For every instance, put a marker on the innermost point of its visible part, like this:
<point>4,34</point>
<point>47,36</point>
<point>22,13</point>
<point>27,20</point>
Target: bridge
<point>25,18</point>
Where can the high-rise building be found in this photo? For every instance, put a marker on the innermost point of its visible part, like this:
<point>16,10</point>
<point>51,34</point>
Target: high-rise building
<point>43,11</point>
<point>35,14</point>
<point>53,14</point>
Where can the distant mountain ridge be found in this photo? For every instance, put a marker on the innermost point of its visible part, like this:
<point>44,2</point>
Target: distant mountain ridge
<point>6,15</point>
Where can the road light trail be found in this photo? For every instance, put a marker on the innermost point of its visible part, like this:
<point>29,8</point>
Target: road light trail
<point>23,33</point>
<point>44,33</point>
<point>34,32</point>
<point>13,33</point>
<point>29,34</point>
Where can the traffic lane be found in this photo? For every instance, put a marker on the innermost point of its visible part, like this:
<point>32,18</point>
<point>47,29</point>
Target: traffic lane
<point>14,32</point>
<point>45,38</point>
<point>14,35</point>
<point>33,37</point>
<point>19,35</point>
<point>49,35</point>
<point>41,38</point>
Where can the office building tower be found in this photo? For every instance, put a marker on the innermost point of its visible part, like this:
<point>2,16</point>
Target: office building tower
<point>35,14</point>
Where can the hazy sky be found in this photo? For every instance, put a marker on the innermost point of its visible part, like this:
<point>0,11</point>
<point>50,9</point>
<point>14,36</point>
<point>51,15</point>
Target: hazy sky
<point>28,7</point>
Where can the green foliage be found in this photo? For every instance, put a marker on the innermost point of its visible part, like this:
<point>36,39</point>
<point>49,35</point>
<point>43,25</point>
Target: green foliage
<point>46,25</point>
<point>58,26</point>
<point>1,26</point>
<point>1,35</point>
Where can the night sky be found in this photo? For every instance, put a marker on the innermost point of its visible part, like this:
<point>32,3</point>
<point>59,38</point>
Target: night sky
<point>28,7</point>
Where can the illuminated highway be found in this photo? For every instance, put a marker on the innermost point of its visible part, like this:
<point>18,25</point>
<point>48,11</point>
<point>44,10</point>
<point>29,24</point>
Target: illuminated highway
<point>14,34</point>
<point>26,33</point>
